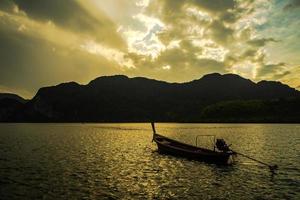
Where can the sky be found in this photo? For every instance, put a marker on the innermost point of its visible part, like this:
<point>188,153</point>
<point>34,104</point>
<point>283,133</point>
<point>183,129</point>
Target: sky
<point>48,42</point>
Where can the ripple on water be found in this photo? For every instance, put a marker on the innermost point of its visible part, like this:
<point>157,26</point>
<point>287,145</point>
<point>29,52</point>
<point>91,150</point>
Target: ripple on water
<point>118,161</point>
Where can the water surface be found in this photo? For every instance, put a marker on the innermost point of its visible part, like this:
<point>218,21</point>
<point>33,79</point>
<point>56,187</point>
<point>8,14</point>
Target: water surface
<point>118,161</point>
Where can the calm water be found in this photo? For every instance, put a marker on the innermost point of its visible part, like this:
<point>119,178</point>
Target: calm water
<point>118,161</point>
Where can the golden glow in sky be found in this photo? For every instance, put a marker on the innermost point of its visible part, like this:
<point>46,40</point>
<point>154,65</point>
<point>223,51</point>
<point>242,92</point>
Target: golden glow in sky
<point>52,41</point>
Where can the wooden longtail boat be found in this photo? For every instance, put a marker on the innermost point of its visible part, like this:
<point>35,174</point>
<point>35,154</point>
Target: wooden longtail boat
<point>169,146</point>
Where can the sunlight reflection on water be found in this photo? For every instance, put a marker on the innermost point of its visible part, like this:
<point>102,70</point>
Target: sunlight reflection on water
<point>113,161</point>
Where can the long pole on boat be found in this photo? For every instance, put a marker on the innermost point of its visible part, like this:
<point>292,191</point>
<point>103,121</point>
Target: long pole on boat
<point>153,129</point>
<point>271,167</point>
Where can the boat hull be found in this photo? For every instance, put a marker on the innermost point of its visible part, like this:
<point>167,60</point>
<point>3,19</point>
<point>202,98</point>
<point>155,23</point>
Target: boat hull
<point>175,148</point>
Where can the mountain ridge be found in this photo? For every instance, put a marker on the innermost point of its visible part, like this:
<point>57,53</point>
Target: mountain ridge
<point>12,96</point>
<point>120,98</point>
<point>124,77</point>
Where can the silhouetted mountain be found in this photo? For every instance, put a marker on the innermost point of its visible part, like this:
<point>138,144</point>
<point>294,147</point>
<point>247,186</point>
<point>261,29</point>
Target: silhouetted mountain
<point>119,98</point>
<point>10,106</point>
<point>12,96</point>
<point>274,89</point>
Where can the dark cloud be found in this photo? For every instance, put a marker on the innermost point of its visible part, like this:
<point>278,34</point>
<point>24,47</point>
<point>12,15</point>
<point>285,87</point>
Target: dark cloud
<point>6,5</point>
<point>72,15</point>
<point>220,33</point>
<point>60,12</point>
<point>293,4</point>
<point>180,57</point>
<point>261,42</point>
<point>281,75</point>
<point>215,5</point>
<point>271,69</point>
<point>171,7</point>
<point>233,15</point>
<point>229,17</point>
<point>249,53</point>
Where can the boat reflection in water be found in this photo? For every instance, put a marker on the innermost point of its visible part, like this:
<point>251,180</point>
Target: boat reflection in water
<point>220,155</point>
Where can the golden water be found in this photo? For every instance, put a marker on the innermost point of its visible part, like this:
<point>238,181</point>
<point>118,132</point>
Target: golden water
<point>118,161</point>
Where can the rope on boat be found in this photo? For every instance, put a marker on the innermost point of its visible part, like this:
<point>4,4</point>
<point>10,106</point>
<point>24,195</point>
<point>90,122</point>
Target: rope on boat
<point>271,167</point>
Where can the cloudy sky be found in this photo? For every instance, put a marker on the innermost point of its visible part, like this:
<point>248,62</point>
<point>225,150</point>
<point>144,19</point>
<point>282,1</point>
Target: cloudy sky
<point>46,42</point>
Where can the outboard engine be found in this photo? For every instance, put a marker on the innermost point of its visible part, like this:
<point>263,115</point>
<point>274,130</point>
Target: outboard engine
<point>221,145</point>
